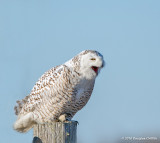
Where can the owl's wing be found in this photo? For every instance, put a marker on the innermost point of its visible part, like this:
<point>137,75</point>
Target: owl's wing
<point>38,93</point>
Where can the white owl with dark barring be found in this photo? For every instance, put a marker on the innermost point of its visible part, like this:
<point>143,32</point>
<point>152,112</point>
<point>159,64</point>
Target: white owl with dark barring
<point>60,92</point>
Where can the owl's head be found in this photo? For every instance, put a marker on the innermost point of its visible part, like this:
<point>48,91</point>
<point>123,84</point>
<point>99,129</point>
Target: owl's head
<point>89,63</point>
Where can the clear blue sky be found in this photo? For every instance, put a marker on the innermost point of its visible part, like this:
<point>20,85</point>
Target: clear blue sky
<point>36,35</point>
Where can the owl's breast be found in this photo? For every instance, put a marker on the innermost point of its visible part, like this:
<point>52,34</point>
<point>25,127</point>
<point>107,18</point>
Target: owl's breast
<point>84,88</point>
<point>79,95</point>
<point>82,95</point>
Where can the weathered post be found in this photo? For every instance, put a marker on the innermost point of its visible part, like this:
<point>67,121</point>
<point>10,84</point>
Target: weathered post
<point>55,132</point>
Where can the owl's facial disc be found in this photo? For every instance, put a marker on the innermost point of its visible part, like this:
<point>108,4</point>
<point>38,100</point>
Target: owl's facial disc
<point>94,68</point>
<point>91,62</point>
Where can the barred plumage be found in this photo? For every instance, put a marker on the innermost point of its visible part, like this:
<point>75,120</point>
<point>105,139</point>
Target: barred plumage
<point>61,91</point>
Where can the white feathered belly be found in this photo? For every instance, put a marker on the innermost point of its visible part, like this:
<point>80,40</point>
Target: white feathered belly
<point>51,109</point>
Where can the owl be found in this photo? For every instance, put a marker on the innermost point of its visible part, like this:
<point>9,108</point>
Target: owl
<point>60,92</point>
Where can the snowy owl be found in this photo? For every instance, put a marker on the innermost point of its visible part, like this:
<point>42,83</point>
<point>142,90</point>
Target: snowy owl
<point>60,92</point>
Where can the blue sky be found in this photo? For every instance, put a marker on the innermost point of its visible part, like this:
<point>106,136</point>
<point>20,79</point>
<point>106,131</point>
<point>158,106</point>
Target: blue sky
<point>36,35</point>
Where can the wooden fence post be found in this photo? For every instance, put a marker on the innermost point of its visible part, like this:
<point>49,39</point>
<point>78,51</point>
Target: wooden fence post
<point>55,132</point>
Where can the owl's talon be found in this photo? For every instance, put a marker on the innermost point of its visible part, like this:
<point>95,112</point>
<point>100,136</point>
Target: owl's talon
<point>67,119</point>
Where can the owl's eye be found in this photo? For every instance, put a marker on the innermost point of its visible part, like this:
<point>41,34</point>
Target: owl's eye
<point>93,59</point>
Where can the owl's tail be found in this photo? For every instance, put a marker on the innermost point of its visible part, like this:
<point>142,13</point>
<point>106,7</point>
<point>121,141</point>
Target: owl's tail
<point>24,123</point>
<point>20,103</point>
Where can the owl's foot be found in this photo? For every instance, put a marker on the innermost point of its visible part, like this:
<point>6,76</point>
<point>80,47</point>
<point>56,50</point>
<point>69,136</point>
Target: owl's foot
<point>64,117</point>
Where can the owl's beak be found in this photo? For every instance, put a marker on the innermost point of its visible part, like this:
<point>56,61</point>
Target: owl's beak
<point>95,69</point>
